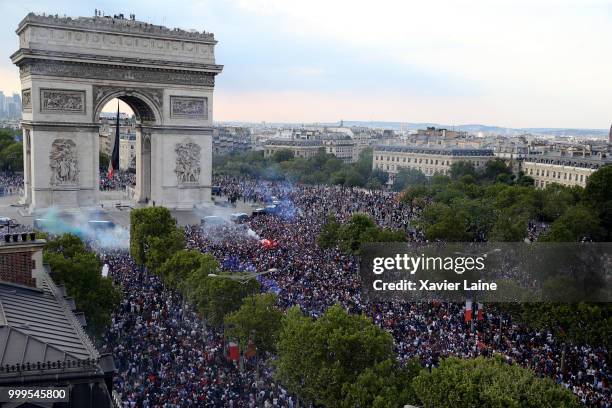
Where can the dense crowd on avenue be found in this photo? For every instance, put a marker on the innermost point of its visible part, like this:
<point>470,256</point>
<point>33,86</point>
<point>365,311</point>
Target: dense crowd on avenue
<point>119,181</point>
<point>168,357</point>
<point>11,183</point>
<point>315,279</point>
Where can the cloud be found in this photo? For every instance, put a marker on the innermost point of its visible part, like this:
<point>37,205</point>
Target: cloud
<point>525,63</point>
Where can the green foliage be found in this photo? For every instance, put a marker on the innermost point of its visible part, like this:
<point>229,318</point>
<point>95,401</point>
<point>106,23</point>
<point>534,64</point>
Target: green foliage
<point>575,224</point>
<point>497,170</point>
<point>585,323</point>
<point>329,235</point>
<point>318,359</point>
<point>488,383</point>
<point>104,161</point>
<point>282,155</point>
<point>385,385</point>
<point>178,270</point>
<point>322,168</point>
<point>358,230</point>
<point>217,296</point>
<point>461,169</point>
<point>11,151</point>
<point>598,196</point>
<point>79,269</point>
<point>154,237</point>
<point>258,320</point>
<point>407,177</point>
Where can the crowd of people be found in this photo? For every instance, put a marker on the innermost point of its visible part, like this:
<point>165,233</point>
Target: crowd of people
<point>11,183</point>
<point>120,180</point>
<point>168,357</point>
<point>315,279</point>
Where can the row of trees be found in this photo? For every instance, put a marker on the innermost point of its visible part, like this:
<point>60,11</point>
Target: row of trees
<point>11,151</point>
<point>323,168</point>
<point>337,360</point>
<point>79,269</point>
<point>227,300</point>
<point>495,171</point>
<point>468,209</point>
<point>342,360</point>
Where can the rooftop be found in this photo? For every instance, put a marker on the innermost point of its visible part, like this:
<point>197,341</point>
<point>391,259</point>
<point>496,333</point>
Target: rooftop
<point>571,161</point>
<point>446,151</point>
<point>37,325</point>
<point>117,24</point>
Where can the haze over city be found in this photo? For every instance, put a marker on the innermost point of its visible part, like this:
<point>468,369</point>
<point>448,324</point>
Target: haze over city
<point>506,63</point>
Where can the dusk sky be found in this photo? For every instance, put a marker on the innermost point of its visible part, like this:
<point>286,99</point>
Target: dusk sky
<point>517,63</point>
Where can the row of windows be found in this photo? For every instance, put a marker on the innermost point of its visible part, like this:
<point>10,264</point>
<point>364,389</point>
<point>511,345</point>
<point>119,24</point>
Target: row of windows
<point>430,171</point>
<point>557,175</point>
<point>419,160</point>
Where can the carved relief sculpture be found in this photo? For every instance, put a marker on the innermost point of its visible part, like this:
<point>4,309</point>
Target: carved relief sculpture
<point>64,163</point>
<point>62,100</point>
<point>190,107</point>
<point>187,162</point>
<point>26,99</point>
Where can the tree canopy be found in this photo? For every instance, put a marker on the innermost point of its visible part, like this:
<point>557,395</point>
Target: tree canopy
<point>79,269</point>
<point>317,359</point>
<point>488,383</point>
<point>154,236</point>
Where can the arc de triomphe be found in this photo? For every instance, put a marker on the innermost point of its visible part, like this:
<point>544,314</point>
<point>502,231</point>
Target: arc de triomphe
<point>71,67</point>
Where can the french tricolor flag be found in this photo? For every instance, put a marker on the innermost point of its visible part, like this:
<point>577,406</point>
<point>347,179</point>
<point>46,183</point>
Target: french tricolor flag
<point>468,310</point>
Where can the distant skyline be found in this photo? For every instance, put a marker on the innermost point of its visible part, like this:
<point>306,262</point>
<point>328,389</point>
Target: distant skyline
<point>510,63</point>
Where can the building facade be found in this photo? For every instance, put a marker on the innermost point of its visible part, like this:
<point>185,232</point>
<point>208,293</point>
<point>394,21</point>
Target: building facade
<point>42,338</point>
<point>231,139</point>
<point>428,160</point>
<point>340,145</point>
<point>565,170</point>
<point>300,148</point>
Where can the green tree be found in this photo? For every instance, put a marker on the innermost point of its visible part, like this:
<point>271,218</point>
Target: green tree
<point>217,296</point>
<point>282,155</point>
<point>576,224</point>
<point>461,169</point>
<point>104,161</point>
<point>328,237</point>
<point>257,320</point>
<point>495,168</point>
<point>177,269</point>
<point>79,269</point>
<point>11,157</point>
<point>598,196</point>
<point>385,385</point>
<point>380,176</point>
<point>317,358</point>
<point>488,383</point>
<point>408,177</point>
<point>154,236</point>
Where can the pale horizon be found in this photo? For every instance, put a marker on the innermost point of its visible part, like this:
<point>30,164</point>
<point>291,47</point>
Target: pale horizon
<point>517,64</point>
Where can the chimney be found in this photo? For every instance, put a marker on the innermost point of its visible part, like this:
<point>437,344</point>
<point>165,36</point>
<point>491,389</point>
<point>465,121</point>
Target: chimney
<point>20,259</point>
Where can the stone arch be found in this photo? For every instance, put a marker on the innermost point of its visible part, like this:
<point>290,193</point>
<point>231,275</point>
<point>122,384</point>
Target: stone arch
<point>146,104</point>
<point>169,87</point>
